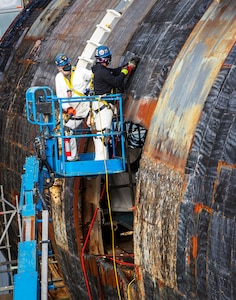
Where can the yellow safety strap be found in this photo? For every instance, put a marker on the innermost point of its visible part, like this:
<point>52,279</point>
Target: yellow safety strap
<point>103,102</point>
<point>69,83</point>
<point>91,86</point>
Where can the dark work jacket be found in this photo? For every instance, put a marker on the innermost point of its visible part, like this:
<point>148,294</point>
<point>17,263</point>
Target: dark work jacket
<point>106,79</point>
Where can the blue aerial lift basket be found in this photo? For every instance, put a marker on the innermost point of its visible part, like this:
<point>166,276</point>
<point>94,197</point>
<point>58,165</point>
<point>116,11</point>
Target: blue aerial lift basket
<point>44,109</point>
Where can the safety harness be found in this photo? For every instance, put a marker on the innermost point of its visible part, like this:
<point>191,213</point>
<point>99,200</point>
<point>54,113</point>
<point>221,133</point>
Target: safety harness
<point>70,85</point>
<point>105,103</point>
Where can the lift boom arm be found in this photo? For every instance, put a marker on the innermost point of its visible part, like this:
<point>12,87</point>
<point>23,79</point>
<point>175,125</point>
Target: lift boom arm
<point>44,109</point>
<point>26,281</point>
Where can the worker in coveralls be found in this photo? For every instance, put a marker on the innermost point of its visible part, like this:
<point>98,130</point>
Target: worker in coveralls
<point>72,82</point>
<point>105,81</point>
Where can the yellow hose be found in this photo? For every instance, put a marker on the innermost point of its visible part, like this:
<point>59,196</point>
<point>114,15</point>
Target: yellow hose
<point>110,213</point>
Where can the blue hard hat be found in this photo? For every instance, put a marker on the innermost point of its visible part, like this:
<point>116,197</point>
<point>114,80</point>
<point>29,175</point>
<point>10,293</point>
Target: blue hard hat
<point>102,52</point>
<point>62,60</point>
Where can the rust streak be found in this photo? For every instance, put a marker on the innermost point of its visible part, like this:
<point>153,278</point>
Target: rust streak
<point>180,105</point>
<point>189,260</point>
<point>199,207</point>
<point>195,246</point>
<point>76,214</point>
<point>140,112</point>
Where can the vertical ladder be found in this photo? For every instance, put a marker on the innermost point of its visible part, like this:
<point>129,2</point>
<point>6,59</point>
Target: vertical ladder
<point>102,32</point>
<point>99,37</point>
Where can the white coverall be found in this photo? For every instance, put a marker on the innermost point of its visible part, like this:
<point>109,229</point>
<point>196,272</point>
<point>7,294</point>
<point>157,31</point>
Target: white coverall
<point>102,120</point>
<point>79,82</point>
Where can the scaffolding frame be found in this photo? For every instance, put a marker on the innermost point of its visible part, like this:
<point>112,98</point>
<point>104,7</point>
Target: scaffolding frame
<point>8,211</point>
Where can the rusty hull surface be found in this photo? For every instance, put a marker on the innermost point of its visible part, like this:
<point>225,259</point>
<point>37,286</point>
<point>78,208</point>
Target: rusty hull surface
<point>187,208</point>
<point>183,91</point>
<point>189,83</point>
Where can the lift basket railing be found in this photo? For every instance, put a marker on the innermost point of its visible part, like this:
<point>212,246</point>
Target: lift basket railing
<point>44,109</point>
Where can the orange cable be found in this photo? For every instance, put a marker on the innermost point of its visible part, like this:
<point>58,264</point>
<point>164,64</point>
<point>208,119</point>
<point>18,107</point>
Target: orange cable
<point>83,250</point>
<point>85,244</point>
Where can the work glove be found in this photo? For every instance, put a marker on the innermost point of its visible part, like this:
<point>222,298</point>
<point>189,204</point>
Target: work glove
<point>132,64</point>
<point>125,70</point>
<point>71,111</point>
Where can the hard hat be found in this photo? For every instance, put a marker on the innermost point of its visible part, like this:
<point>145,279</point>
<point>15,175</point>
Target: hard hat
<point>102,52</point>
<point>62,60</point>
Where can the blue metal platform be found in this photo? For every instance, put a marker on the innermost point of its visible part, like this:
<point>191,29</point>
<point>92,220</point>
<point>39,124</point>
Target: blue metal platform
<point>44,109</point>
<point>87,166</point>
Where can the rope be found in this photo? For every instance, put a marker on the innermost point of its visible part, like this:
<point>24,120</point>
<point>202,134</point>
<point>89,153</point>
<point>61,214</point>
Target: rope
<point>85,245</point>
<point>129,288</point>
<point>113,239</point>
<point>112,228</point>
<point>83,250</point>
<point>124,263</point>
<point>110,212</point>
